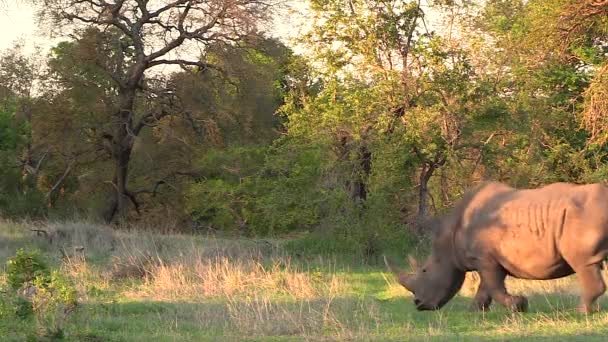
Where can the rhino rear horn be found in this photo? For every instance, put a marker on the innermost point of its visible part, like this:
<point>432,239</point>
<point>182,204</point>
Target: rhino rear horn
<point>403,278</point>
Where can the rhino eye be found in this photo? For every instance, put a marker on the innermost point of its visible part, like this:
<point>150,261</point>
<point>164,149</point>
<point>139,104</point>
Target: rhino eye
<point>424,270</point>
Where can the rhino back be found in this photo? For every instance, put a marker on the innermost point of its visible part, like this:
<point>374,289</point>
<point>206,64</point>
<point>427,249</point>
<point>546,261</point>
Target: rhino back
<point>529,231</point>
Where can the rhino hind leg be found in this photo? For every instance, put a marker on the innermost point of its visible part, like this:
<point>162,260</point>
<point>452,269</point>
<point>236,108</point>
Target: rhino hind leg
<point>592,285</point>
<point>493,277</point>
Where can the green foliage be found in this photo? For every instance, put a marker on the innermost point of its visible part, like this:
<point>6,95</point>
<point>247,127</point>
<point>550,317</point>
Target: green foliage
<point>26,266</point>
<point>13,306</point>
<point>244,189</point>
<point>222,200</point>
<point>55,300</point>
<point>237,105</point>
<point>18,194</point>
<point>37,291</point>
<point>501,16</point>
<point>551,64</point>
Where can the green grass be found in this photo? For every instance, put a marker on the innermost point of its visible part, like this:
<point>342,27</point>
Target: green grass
<point>141,287</point>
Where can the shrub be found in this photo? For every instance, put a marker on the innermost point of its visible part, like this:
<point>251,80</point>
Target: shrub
<point>24,267</point>
<point>259,191</point>
<point>34,288</point>
<point>54,301</point>
<point>13,306</point>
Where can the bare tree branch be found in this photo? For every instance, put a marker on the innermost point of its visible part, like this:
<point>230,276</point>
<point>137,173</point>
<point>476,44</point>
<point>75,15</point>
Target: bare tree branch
<point>165,181</point>
<point>60,181</point>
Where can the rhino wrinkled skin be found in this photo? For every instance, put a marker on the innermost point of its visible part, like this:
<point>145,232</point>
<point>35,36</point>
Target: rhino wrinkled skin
<point>498,231</point>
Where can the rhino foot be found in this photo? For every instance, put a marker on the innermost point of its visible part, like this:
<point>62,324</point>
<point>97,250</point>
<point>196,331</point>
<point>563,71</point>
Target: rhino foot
<point>481,305</point>
<point>588,309</point>
<point>519,304</point>
<point>475,307</point>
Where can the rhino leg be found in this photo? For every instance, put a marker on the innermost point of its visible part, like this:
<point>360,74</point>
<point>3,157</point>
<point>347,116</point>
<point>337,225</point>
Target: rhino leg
<point>493,277</point>
<point>592,285</point>
<point>482,300</point>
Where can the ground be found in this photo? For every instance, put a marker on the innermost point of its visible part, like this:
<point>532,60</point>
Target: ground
<point>137,286</point>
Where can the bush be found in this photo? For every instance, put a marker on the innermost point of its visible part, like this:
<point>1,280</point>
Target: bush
<point>54,301</point>
<point>24,267</point>
<point>363,243</point>
<point>259,191</point>
<point>35,289</point>
<point>14,307</point>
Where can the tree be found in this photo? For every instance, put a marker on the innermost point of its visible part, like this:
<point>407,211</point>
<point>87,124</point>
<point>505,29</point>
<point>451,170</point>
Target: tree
<point>242,99</point>
<point>389,77</point>
<point>583,29</point>
<point>213,110</point>
<point>546,58</point>
<point>152,35</point>
<point>20,161</point>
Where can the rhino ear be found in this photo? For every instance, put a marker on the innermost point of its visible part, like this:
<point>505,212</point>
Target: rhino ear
<point>406,280</point>
<point>413,262</point>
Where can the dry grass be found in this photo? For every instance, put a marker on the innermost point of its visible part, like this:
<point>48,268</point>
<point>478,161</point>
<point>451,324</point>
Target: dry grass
<point>193,277</point>
<point>258,291</point>
<point>172,266</point>
<point>67,239</point>
<point>177,287</point>
<point>595,112</point>
<point>253,284</point>
<point>92,237</point>
<point>258,316</point>
<point>195,271</point>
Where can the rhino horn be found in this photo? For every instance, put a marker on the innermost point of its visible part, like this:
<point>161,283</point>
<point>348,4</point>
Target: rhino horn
<point>403,277</point>
<point>413,262</point>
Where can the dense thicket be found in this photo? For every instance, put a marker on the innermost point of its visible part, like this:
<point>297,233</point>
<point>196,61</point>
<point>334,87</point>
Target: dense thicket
<point>394,109</point>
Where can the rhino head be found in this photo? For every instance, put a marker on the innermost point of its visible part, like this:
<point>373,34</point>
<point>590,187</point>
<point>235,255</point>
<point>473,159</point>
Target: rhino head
<point>433,284</point>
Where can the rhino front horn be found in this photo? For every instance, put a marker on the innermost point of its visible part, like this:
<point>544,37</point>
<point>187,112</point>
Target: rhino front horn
<point>413,262</point>
<point>402,277</point>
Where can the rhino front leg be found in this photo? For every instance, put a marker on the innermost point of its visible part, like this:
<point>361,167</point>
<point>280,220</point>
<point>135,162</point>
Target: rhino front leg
<point>493,278</point>
<point>592,285</point>
<point>482,300</point>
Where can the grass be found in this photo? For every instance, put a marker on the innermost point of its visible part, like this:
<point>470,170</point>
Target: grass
<point>137,286</point>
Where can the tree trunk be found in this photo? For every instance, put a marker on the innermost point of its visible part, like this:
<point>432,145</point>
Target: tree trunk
<point>360,185</point>
<point>423,191</point>
<point>122,146</point>
<point>122,173</point>
<point>119,202</point>
<point>428,169</point>
<point>445,192</point>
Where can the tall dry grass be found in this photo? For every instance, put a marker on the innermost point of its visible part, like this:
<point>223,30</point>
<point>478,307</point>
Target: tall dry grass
<point>191,276</point>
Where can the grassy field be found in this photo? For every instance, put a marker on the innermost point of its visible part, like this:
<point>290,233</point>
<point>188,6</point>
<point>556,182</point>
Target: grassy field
<point>135,286</point>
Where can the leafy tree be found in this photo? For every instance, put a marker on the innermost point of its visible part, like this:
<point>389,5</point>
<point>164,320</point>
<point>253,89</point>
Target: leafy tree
<point>545,69</point>
<point>387,78</point>
<point>148,36</point>
<point>20,162</point>
<point>206,109</point>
